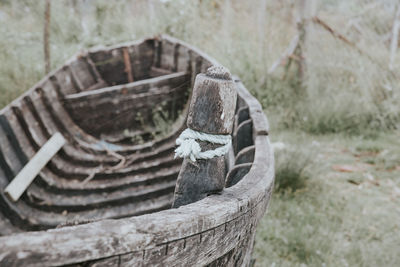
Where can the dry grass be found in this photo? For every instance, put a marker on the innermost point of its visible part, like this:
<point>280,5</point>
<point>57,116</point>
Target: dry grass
<point>336,218</point>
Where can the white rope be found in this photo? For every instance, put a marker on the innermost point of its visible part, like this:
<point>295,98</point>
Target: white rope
<point>188,147</point>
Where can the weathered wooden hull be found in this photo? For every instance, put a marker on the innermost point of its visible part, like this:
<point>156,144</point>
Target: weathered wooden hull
<point>120,191</point>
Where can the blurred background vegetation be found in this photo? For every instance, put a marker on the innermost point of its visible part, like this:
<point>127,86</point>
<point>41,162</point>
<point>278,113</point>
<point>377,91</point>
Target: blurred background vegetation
<point>333,103</point>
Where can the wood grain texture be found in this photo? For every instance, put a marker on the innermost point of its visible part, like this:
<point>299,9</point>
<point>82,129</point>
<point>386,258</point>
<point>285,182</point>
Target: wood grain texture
<point>111,109</point>
<point>25,177</point>
<point>211,111</point>
<point>237,173</point>
<point>213,105</point>
<point>243,135</point>
<point>246,155</point>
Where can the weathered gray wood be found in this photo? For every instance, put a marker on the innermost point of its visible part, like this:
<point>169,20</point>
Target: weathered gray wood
<point>58,202</point>
<point>108,262</point>
<point>242,115</point>
<point>183,62</point>
<point>142,86</point>
<point>25,177</point>
<point>167,57</point>
<point>255,108</point>
<point>147,225</point>
<point>110,62</point>
<point>135,112</point>
<point>230,159</point>
<point>86,78</point>
<point>213,97</point>
<point>64,77</point>
<point>128,66</point>
<point>155,72</point>
<point>237,173</point>
<point>50,104</point>
<point>211,110</point>
<point>199,179</point>
<point>215,231</point>
<point>145,232</point>
<point>246,155</point>
<point>243,135</point>
<point>109,109</point>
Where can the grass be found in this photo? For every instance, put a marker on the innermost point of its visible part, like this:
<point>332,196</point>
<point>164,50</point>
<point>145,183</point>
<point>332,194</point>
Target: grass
<point>343,115</point>
<point>351,91</point>
<point>292,167</point>
<point>331,221</point>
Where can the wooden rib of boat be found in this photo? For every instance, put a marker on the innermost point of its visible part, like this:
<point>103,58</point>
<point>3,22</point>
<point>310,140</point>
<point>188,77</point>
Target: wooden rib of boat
<point>105,198</point>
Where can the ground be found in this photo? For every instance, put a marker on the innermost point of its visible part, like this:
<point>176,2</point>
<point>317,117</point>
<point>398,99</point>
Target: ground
<point>344,210</point>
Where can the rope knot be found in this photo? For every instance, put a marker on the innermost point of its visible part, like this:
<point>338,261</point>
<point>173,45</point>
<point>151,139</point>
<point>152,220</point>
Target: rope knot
<point>188,146</point>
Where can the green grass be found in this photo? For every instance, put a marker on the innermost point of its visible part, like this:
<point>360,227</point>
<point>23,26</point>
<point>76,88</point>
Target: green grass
<point>331,221</point>
<point>292,167</point>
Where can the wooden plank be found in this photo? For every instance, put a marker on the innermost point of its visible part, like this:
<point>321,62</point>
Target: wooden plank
<point>127,62</point>
<point>110,62</point>
<point>142,55</point>
<point>246,155</point>
<point>25,177</point>
<point>113,109</point>
<point>57,184</point>
<point>64,78</point>
<point>141,86</point>
<point>26,215</point>
<point>168,55</point>
<point>14,155</point>
<point>255,108</point>
<point>155,72</point>
<point>83,73</point>
<point>243,114</point>
<point>57,202</point>
<point>243,136</point>
<point>210,61</point>
<point>73,151</point>
<point>237,173</point>
<point>183,59</point>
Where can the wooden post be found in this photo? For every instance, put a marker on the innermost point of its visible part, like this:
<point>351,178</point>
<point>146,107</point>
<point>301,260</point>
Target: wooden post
<point>212,111</point>
<point>302,21</point>
<point>306,11</point>
<point>46,36</point>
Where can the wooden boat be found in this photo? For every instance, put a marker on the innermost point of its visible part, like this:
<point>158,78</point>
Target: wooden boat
<point>105,198</point>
